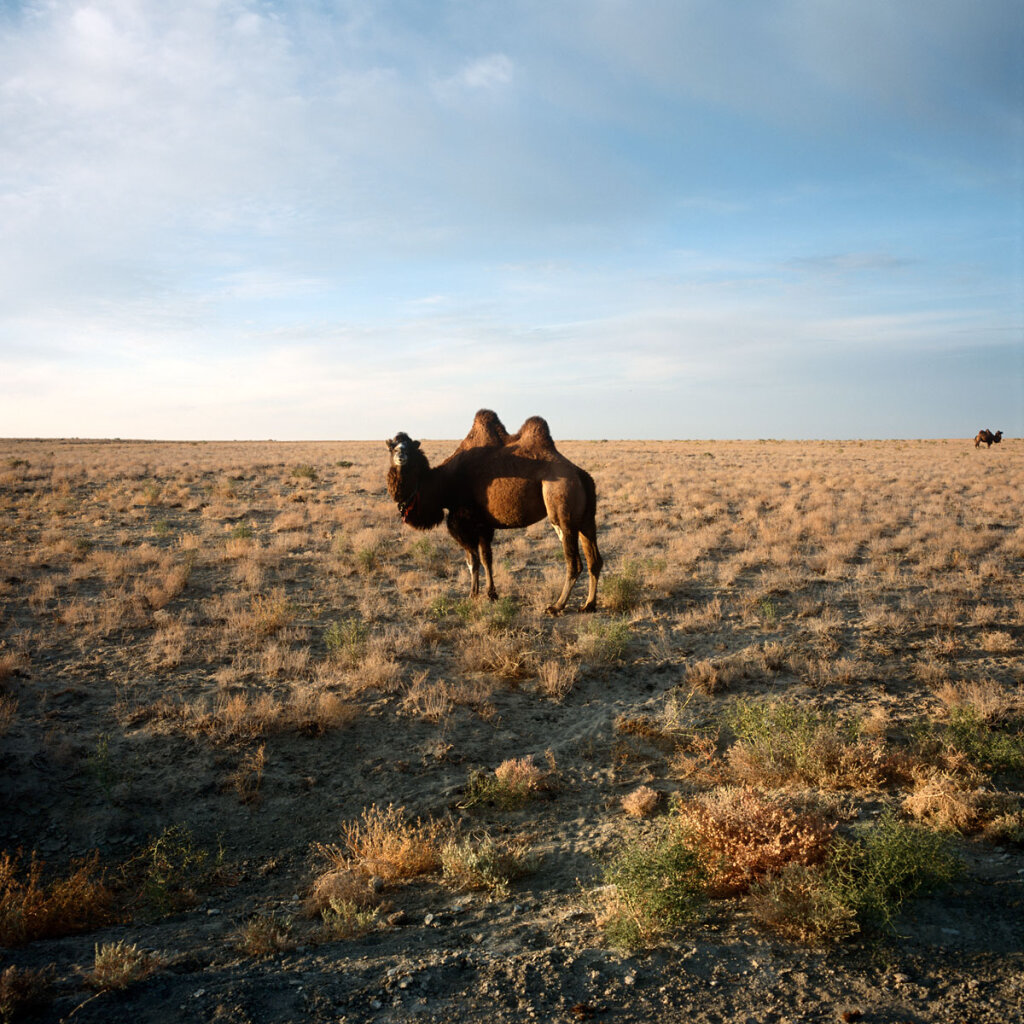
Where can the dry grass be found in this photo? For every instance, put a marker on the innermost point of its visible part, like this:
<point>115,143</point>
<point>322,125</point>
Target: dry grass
<point>242,597</point>
<point>745,835</point>
<point>32,908</point>
<point>384,842</point>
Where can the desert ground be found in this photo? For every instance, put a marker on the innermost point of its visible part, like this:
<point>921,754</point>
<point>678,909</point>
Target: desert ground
<point>261,760</point>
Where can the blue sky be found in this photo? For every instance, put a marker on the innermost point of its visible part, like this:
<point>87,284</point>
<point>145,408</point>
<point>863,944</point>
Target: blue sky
<point>697,218</point>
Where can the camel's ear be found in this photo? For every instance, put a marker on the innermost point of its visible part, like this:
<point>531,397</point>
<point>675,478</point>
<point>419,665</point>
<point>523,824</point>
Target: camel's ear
<point>416,444</point>
<point>390,442</point>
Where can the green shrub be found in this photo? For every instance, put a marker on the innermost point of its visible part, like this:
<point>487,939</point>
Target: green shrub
<point>659,884</point>
<point>346,639</point>
<point>603,642</point>
<point>862,885</point>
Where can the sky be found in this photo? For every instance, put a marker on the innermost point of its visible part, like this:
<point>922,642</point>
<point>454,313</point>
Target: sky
<point>338,219</point>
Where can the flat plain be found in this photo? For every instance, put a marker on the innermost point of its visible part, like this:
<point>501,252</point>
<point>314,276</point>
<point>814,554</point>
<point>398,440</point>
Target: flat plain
<point>261,760</point>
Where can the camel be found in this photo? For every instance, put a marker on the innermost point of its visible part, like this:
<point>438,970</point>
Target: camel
<point>497,481</point>
<point>987,438</point>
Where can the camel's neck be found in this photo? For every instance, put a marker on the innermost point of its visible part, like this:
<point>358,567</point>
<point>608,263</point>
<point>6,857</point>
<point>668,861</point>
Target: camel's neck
<point>414,488</point>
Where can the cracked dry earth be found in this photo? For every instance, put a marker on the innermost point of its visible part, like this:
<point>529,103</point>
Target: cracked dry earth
<point>100,753</point>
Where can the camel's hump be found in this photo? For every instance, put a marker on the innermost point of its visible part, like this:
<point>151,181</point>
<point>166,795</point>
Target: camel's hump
<point>536,434</point>
<point>487,429</point>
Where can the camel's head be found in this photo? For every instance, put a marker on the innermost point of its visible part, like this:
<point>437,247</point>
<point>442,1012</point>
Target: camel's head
<point>402,448</point>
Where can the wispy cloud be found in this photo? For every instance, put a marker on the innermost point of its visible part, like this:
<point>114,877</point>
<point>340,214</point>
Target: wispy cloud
<point>265,218</point>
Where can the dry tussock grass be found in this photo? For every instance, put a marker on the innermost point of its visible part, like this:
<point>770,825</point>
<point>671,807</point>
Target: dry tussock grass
<point>32,908</point>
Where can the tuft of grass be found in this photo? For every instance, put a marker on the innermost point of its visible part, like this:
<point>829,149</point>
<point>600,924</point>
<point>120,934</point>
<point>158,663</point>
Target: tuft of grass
<point>304,471</point>
<point>32,909</point>
<point>345,640</point>
<point>264,934</point>
<point>656,884</point>
<point>603,642</point>
<point>622,590</point>
<point>342,920</point>
<point>385,843</point>
<point>510,786</point>
<point>117,965</point>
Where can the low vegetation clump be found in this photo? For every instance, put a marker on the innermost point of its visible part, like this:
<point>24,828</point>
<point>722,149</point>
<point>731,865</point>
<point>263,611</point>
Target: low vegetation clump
<point>745,835</point>
<point>861,886</point>
<point>32,908</point>
<point>173,871</point>
<point>780,743</point>
<point>23,993</point>
<point>653,885</point>
<point>263,935</point>
<point>117,965</point>
<point>482,862</point>
<point>511,785</point>
<point>386,843</point>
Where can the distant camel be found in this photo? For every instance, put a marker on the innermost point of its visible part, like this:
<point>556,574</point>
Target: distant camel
<point>496,481</point>
<point>987,438</point>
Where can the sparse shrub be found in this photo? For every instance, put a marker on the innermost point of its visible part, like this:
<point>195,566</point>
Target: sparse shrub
<point>745,835</point>
<point>346,640</point>
<point>893,861</point>
<point>481,862</point>
<point>444,606</point>
<point>119,964</point>
<point>264,934</point>
<point>248,776</point>
<point>603,642</point>
<point>175,871</point>
<point>8,713</point>
<point>556,678</point>
<point>862,885</point>
<point>621,591</point>
<point>384,842</point>
<point>779,743</point>
<point>304,471</point>
<point>340,885</point>
<point>502,614</point>
<point>342,920</point>
<point>799,904</point>
<point>23,993</point>
<point>508,656</point>
<point>940,800</point>
<point>657,884</point>
<point>984,746</point>
<point>31,909</point>
<point>511,785</point>
<point>268,614</point>
<point>242,531</point>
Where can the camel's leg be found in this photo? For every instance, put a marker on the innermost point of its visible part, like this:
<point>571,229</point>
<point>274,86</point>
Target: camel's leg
<point>485,557</point>
<point>573,567</point>
<point>473,564</point>
<point>468,542</point>
<point>588,536</point>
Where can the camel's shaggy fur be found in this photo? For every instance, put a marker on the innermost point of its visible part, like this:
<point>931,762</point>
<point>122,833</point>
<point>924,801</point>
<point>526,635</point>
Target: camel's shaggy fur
<point>497,481</point>
<point>987,438</point>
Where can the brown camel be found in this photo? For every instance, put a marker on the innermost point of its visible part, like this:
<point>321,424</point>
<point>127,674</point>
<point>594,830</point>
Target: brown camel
<point>496,481</point>
<point>987,438</point>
